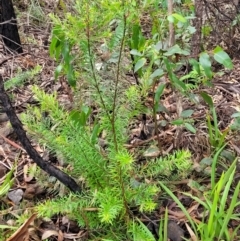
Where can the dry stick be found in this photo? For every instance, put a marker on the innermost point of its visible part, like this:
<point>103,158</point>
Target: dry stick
<point>171,40</point>
<point>18,128</point>
<point>8,21</point>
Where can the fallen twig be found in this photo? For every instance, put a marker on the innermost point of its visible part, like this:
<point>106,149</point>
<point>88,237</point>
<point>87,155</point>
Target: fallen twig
<point>18,128</point>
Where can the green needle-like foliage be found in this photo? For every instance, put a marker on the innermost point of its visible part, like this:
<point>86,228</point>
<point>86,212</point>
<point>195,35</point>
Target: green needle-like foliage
<point>112,180</point>
<point>111,177</point>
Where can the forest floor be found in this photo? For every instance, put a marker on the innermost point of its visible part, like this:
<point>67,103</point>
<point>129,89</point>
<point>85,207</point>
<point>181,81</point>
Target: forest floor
<point>35,36</point>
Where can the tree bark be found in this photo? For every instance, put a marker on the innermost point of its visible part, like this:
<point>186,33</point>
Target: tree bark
<point>197,23</point>
<point>8,26</point>
<point>171,40</point>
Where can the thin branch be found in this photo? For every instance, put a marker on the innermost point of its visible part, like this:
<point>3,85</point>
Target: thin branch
<point>96,84</point>
<point>18,128</point>
<point>117,82</point>
<point>9,21</point>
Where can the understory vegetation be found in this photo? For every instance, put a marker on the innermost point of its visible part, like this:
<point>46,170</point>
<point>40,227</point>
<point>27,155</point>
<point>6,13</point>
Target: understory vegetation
<point>125,181</point>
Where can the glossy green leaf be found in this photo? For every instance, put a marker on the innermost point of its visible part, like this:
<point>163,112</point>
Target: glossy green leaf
<point>75,116</point>
<point>189,127</point>
<point>86,110</point>
<point>52,46</point>
<point>173,50</point>
<point>58,71</point>
<point>95,133</point>
<point>196,65</point>
<point>170,18</point>
<point>135,36</point>
<point>177,122</point>
<point>168,65</point>
<point>157,73</point>
<point>206,161</point>
<point>55,48</point>
<point>191,29</point>
<point>228,155</point>
<point>80,117</point>
<point>161,108</point>
<point>186,113</point>
<point>236,124</point>
<point>140,63</point>
<point>176,50</point>
<point>207,99</point>
<point>222,57</point>
<point>159,45</point>
<point>177,82</point>
<point>137,40</point>
<point>135,52</point>
<point>71,76</point>
<point>179,17</point>
<point>158,93</point>
<point>206,64</point>
<point>235,115</point>
<point>142,42</point>
<point>66,52</point>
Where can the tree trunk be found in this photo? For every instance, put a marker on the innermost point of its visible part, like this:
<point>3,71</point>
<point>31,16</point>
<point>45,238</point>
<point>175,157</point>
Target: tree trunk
<point>9,30</point>
<point>171,40</point>
<point>197,23</point>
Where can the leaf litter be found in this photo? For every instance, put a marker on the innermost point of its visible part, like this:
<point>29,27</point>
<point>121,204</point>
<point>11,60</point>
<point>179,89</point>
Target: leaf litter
<point>27,190</point>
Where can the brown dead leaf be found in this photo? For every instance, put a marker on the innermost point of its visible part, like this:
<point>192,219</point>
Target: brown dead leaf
<point>29,171</point>
<point>190,231</point>
<point>152,151</point>
<point>22,233</point>
<point>14,144</point>
<point>74,236</point>
<point>33,233</point>
<point>48,233</point>
<point>60,235</point>
<point>33,190</point>
<point>27,62</point>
